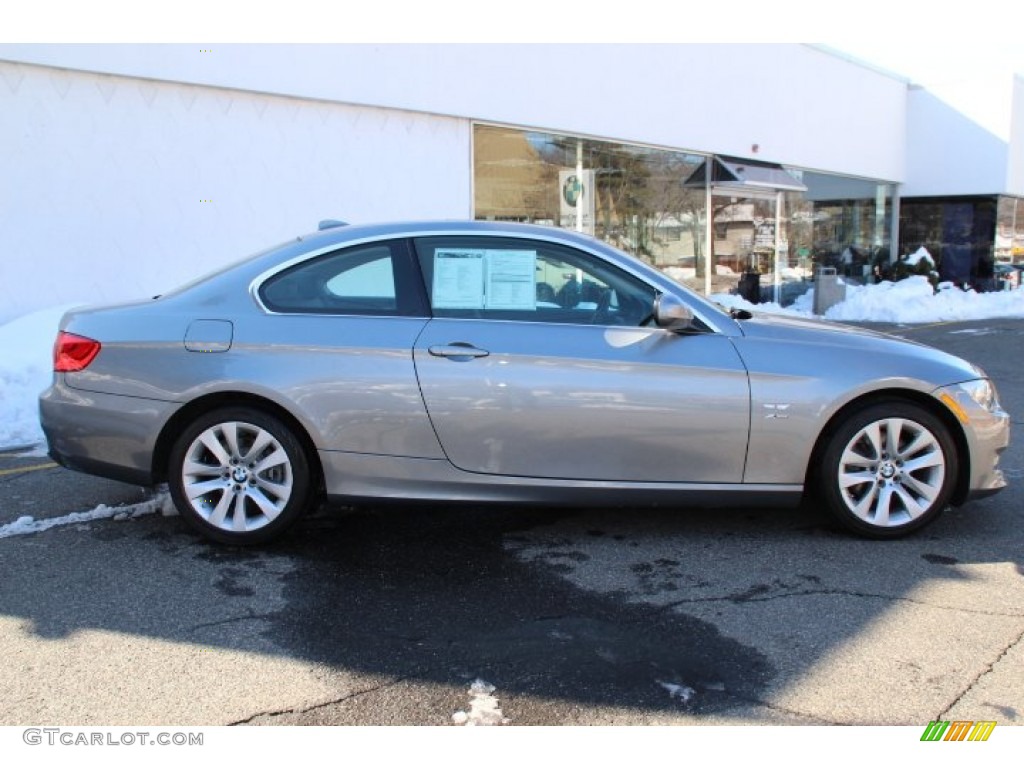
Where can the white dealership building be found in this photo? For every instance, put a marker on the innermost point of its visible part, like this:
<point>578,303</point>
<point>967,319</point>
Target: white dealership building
<point>128,169</point>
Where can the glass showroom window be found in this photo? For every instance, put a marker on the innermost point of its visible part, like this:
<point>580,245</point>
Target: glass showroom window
<point>959,232</point>
<point>1018,232</point>
<point>654,203</point>
<point>1010,230</point>
<point>629,196</point>
<point>839,222</point>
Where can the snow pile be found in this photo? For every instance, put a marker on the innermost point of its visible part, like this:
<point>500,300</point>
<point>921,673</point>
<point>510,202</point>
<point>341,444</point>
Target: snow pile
<point>908,301</point>
<point>483,707</point>
<point>24,525</point>
<point>680,273</point>
<point>683,274</point>
<point>25,370</point>
<point>734,301</point>
<point>921,254</point>
<point>795,273</point>
<point>913,301</point>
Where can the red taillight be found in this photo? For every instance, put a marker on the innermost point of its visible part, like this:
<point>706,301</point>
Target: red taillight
<point>73,353</point>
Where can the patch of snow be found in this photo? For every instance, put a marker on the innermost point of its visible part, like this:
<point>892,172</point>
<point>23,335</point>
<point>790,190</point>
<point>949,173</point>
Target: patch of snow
<point>921,254</point>
<point>483,707</point>
<point>680,273</point>
<point>734,301</point>
<point>914,301</point>
<point>678,690</point>
<point>161,503</point>
<point>908,301</point>
<point>795,273</point>
<point>25,371</point>
<point>36,452</point>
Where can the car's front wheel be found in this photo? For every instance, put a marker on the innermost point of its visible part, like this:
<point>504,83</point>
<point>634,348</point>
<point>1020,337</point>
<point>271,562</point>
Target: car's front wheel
<point>889,469</point>
<point>239,476</point>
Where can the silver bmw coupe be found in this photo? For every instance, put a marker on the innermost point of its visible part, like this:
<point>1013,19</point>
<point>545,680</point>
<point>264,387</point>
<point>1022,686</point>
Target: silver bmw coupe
<point>484,361</point>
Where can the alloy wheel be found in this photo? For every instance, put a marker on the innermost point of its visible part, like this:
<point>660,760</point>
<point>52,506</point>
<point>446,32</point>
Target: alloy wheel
<point>892,472</point>
<point>237,476</point>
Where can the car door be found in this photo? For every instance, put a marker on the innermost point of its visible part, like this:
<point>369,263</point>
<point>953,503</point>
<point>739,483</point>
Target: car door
<point>540,361</point>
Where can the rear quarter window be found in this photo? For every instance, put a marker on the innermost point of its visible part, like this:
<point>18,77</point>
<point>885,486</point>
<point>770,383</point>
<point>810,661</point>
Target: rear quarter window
<point>375,279</point>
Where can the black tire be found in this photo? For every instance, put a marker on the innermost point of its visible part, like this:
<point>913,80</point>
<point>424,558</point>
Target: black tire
<point>889,469</point>
<point>239,476</point>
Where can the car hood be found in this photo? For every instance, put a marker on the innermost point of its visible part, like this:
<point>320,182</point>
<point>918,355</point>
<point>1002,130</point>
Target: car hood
<point>765,325</point>
<point>857,342</point>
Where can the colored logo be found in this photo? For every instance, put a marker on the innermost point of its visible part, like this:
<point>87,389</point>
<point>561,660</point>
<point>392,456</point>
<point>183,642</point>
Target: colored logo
<point>572,190</point>
<point>958,730</point>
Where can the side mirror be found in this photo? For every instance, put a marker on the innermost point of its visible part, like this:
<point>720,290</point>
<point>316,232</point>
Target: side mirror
<point>672,314</point>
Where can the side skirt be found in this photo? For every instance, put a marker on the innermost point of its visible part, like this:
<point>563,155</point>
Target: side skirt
<point>354,476</point>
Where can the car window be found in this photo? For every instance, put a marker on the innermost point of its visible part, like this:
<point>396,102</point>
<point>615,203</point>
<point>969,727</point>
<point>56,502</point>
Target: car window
<point>527,280</point>
<point>374,278</point>
<point>363,280</point>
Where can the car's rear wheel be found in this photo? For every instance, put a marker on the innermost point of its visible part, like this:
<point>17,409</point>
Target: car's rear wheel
<point>889,469</point>
<point>239,476</point>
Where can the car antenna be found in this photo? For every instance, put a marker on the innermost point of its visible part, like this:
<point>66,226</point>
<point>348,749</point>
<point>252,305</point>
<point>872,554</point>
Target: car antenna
<point>331,224</point>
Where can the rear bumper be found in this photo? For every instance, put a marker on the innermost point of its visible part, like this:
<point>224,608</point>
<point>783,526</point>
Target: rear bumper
<point>107,435</point>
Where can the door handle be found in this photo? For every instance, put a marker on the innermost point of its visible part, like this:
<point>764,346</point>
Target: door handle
<point>458,349</point>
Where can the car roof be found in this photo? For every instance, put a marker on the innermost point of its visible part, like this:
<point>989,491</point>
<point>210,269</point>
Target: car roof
<point>349,232</point>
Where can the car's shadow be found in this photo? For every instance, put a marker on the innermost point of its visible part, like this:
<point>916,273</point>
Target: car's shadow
<point>445,594</point>
<point>439,596</point>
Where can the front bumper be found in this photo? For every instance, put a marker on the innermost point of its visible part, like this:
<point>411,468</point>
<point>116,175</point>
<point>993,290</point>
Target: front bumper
<point>987,432</point>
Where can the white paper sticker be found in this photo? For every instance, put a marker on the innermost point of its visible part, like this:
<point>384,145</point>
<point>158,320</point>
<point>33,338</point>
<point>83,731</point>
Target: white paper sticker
<point>458,278</point>
<point>511,279</point>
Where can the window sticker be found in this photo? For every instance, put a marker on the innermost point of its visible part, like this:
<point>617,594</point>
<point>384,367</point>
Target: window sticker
<point>477,278</point>
<point>458,278</point>
<point>511,280</point>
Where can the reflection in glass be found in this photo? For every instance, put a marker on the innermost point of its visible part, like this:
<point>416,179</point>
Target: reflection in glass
<point>1009,245</point>
<point>843,223</point>
<point>961,233</point>
<point>743,243</point>
<point>653,203</point>
<point>637,202</point>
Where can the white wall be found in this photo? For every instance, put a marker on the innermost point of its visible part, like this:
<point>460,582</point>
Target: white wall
<point>960,136</point>
<point>1015,172</point>
<point>103,179</point>
<point>799,104</point>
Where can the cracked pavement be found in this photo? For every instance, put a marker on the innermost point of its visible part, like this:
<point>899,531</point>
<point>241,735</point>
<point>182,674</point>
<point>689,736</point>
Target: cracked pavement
<point>387,616</point>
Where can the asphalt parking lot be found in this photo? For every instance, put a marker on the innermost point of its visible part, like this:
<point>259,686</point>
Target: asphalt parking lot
<point>392,615</point>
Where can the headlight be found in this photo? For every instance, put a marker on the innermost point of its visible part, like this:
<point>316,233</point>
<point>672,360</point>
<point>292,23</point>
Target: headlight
<point>961,398</point>
<point>982,392</point>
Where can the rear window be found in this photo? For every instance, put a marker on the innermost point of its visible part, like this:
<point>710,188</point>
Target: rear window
<point>363,280</point>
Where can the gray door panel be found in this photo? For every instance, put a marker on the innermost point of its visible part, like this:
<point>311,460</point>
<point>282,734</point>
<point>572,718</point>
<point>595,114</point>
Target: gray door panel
<point>585,402</point>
